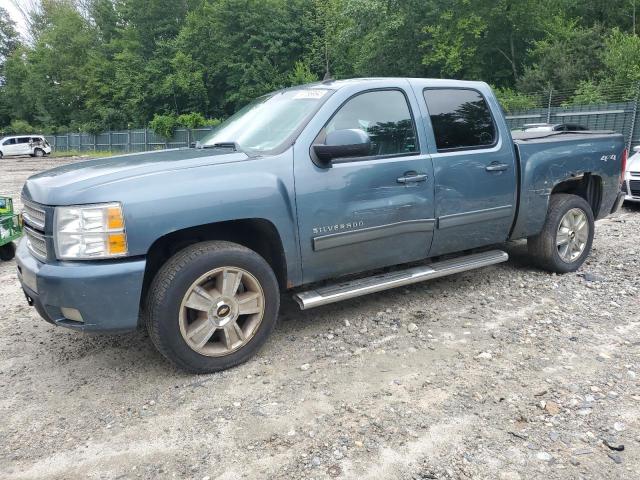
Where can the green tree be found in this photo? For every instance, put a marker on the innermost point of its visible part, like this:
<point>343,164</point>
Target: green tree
<point>451,44</point>
<point>621,61</point>
<point>567,55</point>
<point>9,43</point>
<point>240,49</point>
<point>301,74</point>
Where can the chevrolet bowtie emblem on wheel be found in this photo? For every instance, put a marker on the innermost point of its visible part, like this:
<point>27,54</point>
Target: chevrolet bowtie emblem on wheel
<point>223,311</point>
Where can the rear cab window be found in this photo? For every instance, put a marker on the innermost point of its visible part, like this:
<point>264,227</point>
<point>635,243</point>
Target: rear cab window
<point>460,118</point>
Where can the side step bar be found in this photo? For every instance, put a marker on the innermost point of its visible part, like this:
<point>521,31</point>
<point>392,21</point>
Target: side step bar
<point>363,286</point>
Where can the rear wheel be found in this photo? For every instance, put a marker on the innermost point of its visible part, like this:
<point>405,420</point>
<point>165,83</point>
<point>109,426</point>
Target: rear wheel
<point>567,235</point>
<point>212,306</point>
<point>7,251</point>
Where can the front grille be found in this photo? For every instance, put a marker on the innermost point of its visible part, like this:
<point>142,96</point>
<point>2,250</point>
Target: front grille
<point>33,214</point>
<point>634,186</point>
<point>37,243</point>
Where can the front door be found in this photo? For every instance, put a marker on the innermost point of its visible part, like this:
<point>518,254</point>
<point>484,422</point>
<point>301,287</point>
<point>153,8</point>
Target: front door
<point>368,212</point>
<point>474,170</point>
<point>9,147</point>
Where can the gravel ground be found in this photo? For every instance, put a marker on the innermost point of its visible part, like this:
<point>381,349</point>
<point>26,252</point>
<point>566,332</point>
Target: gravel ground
<point>502,373</point>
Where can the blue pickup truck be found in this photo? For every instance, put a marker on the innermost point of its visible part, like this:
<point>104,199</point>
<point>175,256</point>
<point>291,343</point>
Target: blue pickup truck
<point>329,191</point>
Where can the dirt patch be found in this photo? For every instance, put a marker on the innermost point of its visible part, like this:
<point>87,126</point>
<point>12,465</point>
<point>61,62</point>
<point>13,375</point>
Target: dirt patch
<point>502,373</point>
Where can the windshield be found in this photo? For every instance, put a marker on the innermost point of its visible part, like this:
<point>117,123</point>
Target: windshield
<point>267,122</point>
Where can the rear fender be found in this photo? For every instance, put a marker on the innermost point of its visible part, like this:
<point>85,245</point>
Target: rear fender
<point>582,166</point>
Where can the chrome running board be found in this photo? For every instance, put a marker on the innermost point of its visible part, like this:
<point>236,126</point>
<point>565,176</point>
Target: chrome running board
<point>384,281</point>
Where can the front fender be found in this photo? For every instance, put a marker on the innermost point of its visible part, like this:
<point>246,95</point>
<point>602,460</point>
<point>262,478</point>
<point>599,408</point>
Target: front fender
<point>259,188</point>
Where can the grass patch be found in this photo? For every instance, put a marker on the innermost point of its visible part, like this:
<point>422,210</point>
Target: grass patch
<point>84,153</point>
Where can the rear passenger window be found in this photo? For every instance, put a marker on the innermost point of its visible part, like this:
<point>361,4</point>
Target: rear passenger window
<point>460,118</point>
<point>23,140</point>
<point>384,115</point>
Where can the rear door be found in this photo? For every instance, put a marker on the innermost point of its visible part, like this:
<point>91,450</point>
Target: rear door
<point>474,168</point>
<point>365,212</point>
<point>23,146</point>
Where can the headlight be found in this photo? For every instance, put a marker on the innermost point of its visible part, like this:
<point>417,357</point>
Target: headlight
<point>90,232</point>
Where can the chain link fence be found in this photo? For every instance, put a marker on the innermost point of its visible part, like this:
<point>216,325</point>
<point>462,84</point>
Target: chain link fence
<point>614,108</point>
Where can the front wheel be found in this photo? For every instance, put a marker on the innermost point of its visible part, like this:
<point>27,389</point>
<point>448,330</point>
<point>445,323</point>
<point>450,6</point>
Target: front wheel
<point>212,306</point>
<point>38,152</point>
<point>567,235</point>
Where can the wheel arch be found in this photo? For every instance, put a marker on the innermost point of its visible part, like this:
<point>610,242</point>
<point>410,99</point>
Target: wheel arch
<point>257,234</point>
<point>587,186</point>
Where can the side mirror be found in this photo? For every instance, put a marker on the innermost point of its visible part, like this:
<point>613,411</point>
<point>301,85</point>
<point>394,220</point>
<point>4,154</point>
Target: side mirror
<point>341,144</point>
<point>636,149</point>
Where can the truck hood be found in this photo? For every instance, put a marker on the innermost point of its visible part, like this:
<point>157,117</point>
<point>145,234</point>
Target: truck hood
<point>67,181</point>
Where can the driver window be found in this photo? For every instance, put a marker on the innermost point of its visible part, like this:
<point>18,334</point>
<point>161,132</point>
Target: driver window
<point>384,115</point>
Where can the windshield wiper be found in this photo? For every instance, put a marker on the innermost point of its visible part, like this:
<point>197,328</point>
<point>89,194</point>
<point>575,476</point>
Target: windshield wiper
<point>235,146</point>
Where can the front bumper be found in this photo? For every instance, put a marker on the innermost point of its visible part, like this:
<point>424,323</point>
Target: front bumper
<point>631,187</point>
<point>106,293</point>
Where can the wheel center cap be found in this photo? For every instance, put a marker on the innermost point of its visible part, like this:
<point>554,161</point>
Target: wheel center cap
<point>572,235</point>
<point>223,310</point>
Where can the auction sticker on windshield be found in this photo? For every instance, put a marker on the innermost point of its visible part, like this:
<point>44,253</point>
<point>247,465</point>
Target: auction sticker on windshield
<point>310,94</point>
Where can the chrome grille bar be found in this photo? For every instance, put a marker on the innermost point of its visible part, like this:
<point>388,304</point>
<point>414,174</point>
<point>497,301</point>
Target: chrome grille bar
<point>36,243</point>
<point>33,214</point>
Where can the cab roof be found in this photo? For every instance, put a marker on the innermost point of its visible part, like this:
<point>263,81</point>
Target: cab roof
<point>349,82</point>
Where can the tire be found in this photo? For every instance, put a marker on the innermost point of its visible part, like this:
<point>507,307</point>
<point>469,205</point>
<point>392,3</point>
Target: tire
<point>0,154</point>
<point>7,251</point>
<point>38,152</point>
<point>177,330</point>
<point>563,249</point>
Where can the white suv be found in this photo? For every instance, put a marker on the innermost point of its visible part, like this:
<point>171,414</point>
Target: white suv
<point>34,145</point>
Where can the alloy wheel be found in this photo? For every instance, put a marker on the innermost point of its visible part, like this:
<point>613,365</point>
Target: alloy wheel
<point>573,234</point>
<point>221,311</point>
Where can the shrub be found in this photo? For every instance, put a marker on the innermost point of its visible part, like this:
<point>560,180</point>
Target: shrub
<point>586,93</point>
<point>512,101</point>
<point>191,120</point>
<point>19,126</point>
<point>164,125</point>
<point>212,122</point>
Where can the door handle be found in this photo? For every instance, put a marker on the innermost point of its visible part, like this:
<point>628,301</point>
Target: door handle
<point>496,167</point>
<point>412,177</point>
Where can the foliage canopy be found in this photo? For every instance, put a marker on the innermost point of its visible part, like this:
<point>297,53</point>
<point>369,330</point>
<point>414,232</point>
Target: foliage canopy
<point>110,64</point>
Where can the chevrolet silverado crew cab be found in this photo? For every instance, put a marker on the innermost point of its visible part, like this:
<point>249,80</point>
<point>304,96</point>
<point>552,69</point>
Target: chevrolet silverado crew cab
<point>330,191</point>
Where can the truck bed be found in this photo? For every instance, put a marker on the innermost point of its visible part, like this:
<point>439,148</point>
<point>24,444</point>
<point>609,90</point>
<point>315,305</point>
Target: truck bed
<point>544,157</point>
